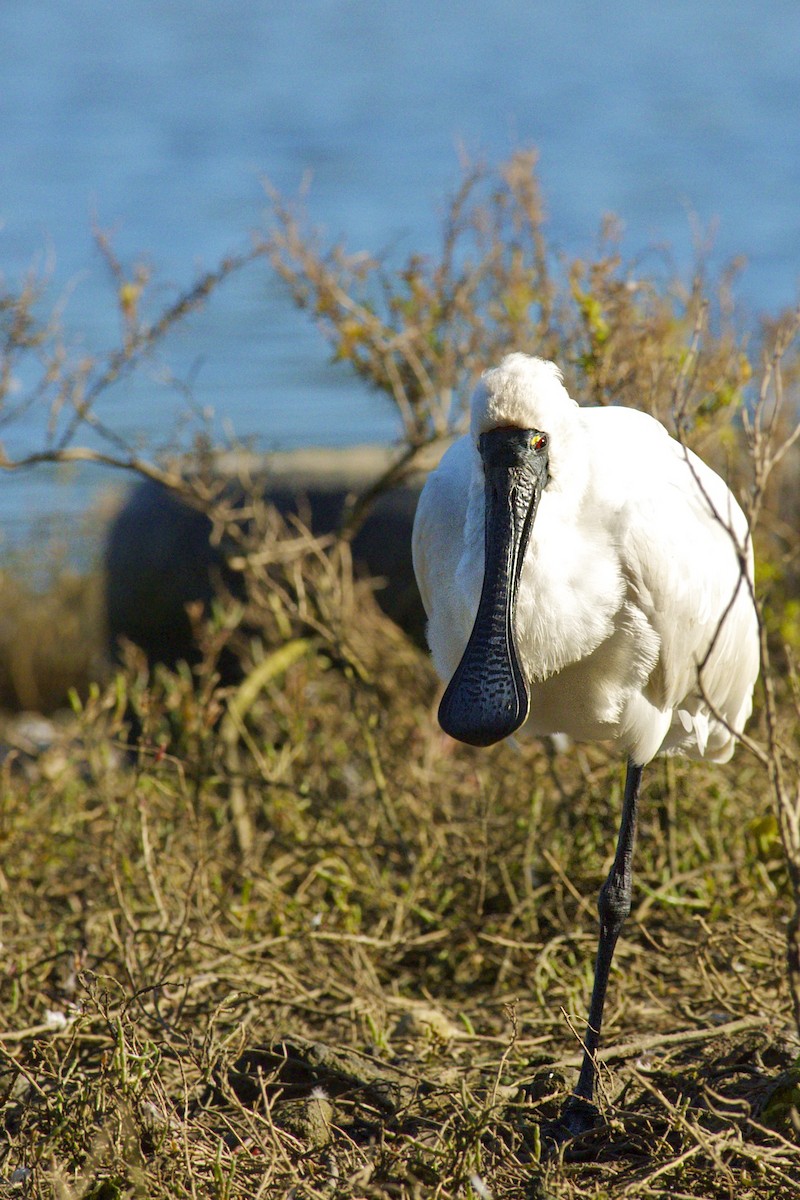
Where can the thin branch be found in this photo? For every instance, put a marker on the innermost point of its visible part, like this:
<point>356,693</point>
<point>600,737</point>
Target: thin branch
<point>142,340</point>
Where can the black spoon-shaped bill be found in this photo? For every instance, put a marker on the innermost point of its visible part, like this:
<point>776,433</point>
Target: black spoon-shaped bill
<point>487,698</point>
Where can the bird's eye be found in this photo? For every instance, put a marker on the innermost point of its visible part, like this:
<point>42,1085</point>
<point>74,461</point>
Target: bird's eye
<point>539,442</point>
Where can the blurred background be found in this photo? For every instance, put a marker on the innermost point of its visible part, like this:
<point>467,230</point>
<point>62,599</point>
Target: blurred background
<point>160,122</point>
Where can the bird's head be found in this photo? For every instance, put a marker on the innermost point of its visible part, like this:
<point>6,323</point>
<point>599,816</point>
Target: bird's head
<point>520,417</point>
<point>526,393</point>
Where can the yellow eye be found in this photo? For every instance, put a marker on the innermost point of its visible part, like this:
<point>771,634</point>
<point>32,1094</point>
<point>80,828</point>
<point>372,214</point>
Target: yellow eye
<point>539,442</point>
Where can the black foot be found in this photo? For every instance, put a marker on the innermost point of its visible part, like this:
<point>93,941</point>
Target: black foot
<point>578,1116</point>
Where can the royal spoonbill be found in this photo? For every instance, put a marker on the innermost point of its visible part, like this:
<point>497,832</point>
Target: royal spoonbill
<point>586,574</point>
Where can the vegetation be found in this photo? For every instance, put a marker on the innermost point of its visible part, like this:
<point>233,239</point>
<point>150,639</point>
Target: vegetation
<point>290,941</point>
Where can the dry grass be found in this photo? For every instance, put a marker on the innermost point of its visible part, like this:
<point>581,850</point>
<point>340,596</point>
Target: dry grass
<point>51,640</point>
<point>297,944</point>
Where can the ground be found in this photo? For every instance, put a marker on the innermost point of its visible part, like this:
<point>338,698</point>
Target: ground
<point>293,942</point>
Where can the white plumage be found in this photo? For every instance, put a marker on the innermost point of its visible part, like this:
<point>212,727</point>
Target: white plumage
<point>584,573</point>
<point>637,552</point>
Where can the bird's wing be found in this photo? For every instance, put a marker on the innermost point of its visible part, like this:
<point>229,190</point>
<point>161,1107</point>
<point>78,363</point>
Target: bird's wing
<point>437,545</point>
<point>686,557</point>
<point>438,535</point>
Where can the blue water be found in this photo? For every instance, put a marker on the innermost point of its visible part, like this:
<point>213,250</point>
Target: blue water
<point>161,118</point>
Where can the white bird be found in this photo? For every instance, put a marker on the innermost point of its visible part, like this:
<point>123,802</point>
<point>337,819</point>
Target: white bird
<point>586,574</point>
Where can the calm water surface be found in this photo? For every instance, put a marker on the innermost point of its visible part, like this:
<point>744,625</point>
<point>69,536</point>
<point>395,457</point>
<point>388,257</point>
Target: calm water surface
<point>160,120</point>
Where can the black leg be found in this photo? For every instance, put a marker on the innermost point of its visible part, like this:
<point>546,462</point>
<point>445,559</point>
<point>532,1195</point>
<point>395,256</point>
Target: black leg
<point>614,905</point>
